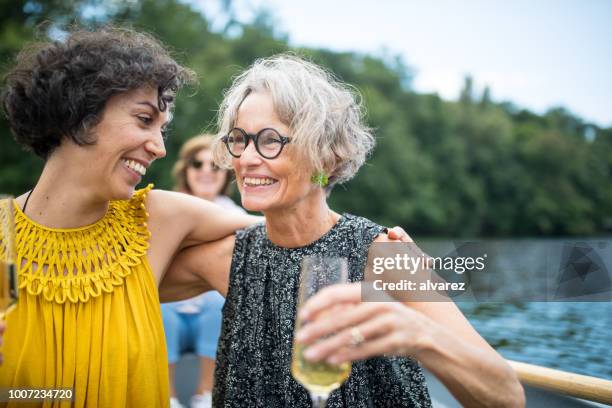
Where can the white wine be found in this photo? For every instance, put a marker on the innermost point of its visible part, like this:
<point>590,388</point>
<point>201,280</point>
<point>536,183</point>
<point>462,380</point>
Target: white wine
<point>317,377</point>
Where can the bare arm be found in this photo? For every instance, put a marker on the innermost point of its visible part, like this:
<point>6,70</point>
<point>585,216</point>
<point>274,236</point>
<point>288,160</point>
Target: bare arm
<point>198,220</point>
<point>465,363</point>
<point>453,351</point>
<point>177,221</point>
<point>198,269</point>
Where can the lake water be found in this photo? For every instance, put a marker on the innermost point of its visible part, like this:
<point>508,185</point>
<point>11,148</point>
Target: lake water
<point>570,336</point>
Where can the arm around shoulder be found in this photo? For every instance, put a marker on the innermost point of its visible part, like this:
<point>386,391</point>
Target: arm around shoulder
<point>193,219</point>
<point>198,269</point>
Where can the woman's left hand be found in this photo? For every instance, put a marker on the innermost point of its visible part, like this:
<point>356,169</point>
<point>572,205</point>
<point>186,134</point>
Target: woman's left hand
<point>340,328</point>
<point>354,330</point>
<point>398,234</point>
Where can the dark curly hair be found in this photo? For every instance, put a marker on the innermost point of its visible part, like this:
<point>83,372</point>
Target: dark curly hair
<point>59,89</point>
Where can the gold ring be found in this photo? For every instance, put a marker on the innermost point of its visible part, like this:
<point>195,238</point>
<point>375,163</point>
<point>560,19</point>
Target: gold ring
<point>356,337</point>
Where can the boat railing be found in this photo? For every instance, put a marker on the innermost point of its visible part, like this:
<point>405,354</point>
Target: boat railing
<point>563,382</point>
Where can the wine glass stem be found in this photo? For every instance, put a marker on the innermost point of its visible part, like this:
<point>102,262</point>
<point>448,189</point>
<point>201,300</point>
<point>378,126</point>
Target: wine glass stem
<point>318,400</point>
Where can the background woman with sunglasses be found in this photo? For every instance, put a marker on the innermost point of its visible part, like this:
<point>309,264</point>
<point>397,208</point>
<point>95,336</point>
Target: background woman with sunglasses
<point>195,324</point>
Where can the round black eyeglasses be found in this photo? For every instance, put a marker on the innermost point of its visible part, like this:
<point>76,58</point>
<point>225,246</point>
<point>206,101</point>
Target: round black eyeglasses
<point>268,142</point>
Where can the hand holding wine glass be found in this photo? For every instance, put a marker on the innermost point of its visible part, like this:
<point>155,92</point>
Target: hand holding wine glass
<point>319,378</point>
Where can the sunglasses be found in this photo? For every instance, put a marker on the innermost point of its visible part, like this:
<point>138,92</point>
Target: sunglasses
<point>198,164</point>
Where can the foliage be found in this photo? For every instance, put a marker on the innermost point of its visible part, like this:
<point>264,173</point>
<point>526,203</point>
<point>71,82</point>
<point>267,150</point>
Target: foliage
<point>470,167</point>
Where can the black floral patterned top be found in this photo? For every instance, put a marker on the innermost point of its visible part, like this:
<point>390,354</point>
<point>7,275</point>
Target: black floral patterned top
<point>254,354</point>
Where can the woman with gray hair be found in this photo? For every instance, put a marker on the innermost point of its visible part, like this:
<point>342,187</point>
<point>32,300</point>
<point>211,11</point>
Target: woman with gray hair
<point>291,131</point>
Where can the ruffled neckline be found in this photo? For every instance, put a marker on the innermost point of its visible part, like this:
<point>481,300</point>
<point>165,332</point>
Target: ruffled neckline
<point>77,264</point>
<point>21,215</point>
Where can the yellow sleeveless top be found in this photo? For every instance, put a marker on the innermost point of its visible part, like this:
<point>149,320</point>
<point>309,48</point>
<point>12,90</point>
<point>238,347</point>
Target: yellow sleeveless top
<point>88,316</point>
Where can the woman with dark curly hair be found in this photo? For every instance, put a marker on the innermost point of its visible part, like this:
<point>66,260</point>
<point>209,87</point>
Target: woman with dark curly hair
<point>91,248</point>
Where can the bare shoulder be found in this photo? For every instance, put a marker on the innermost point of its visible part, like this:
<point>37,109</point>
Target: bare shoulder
<point>164,203</point>
<point>164,210</point>
<point>168,224</point>
<point>171,210</point>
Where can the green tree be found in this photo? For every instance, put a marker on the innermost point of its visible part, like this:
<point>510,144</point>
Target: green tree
<point>453,168</point>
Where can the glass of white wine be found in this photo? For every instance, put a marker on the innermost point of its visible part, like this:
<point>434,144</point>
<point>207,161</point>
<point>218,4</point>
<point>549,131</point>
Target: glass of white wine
<point>8,274</point>
<point>319,378</point>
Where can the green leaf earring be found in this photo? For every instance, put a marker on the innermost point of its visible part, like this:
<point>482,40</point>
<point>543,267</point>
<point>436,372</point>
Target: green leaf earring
<point>320,179</point>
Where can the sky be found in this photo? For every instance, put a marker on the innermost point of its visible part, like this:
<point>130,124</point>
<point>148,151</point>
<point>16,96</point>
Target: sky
<point>536,54</point>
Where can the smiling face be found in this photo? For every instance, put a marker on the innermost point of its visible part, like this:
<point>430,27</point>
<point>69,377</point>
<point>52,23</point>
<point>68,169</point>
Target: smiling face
<point>266,185</point>
<point>128,139</point>
<point>203,178</point>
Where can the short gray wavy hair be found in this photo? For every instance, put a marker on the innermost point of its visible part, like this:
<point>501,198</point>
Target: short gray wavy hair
<point>325,115</point>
